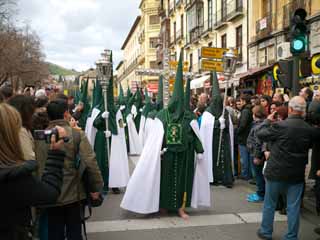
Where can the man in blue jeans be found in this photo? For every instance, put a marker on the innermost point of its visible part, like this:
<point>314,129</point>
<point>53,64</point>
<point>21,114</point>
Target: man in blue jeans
<point>290,141</point>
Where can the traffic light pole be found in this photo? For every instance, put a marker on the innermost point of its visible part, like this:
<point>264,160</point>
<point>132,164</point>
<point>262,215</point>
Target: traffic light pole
<point>295,75</point>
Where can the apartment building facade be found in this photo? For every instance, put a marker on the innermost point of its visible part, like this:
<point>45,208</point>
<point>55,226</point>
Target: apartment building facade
<point>194,24</point>
<point>139,48</point>
<point>269,39</point>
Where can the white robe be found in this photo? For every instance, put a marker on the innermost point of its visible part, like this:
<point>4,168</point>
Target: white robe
<point>206,133</point>
<point>134,140</point>
<point>142,130</point>
<point>90,130</point>
<point>118,164</point>
<point>143,190</point>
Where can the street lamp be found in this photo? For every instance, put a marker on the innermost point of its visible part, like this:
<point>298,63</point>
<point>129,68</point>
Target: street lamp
<point>104,74</point>
<point>229,67</point>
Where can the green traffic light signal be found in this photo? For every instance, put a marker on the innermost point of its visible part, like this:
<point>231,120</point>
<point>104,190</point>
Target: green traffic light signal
<point>298,44</point>
<point>299,32</point>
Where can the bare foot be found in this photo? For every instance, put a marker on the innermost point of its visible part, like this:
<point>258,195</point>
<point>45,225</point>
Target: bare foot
<point>183,214</point>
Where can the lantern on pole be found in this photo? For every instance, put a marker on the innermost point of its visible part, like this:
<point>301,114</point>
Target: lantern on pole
<point>104,74</point>
<point>229,67</point>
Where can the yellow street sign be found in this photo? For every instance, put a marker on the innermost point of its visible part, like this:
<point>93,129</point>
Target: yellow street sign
<point>175,63</point>
<point>211,52</point>
<point>210,65</point>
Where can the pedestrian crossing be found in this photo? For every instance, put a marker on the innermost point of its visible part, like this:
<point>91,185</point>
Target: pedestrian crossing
<point>176,222</point>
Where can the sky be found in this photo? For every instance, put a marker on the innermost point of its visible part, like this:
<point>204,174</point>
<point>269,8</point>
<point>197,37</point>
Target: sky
<point>74,32</point>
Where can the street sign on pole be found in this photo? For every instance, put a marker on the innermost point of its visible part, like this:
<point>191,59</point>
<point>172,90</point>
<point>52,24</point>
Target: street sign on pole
<point>210,65</point>
<point>210,52</point>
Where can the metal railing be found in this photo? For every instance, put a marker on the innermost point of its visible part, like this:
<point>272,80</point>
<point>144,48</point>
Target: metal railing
<point>207,26</point>
<point>265,26</point>
<point>219,18</point>
<point>234,8</point>
<point>194,34</point>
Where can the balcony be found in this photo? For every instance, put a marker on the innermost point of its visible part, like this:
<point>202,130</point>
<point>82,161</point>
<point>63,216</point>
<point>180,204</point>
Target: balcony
<point>264,27</point>
<point>290,8</point>
<point>194,35</point>
<point>220,19</point>
<point>234,10</point>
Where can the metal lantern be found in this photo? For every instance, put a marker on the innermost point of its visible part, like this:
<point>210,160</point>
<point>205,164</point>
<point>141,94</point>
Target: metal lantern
<point>104,74</point>
<point>229,67</point>
<point>229,62</point>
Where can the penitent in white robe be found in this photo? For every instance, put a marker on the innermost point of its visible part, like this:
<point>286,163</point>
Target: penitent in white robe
<point>143,190</point>
<point>134,140</point>
<point>206,133</point>
<point>118,164</point>
<point>142,130</point>
<point>90,130</point>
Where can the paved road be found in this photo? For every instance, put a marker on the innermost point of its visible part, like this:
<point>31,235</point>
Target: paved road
<point>230,218</point>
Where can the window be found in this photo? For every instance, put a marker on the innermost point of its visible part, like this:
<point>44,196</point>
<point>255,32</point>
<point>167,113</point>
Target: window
<point>154,19</point>
<point>239,41</point>
<point>182,25</point>
<point>174,31</point>
<point>223,9</point>
<point>209,14</point>
<point>191,61</point>
<point>224,41</point>
<point>153,42</point>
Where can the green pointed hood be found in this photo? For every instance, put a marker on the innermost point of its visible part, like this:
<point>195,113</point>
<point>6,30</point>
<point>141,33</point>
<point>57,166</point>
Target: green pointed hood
<point>138,99</point>
<point>176,103</point>
<point>111,107</point>
<point>187,95</point>
<point>97,94</point>
<point>122,100</point>
<point>148,106</point>
<point>86,105</point>
<point>160,94</point>
<point>216,105</point>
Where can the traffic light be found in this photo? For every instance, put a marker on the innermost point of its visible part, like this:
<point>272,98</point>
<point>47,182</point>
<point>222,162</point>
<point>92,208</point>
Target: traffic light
<point>315,64</point>
<point>298,32</point>
<point>285,73</point>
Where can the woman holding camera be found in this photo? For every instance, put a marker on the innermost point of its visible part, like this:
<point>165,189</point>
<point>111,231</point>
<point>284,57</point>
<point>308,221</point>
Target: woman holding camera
<point>19,188</point>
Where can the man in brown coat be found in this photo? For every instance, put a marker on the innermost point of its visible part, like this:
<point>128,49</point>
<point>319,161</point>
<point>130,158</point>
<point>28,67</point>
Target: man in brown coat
<point>64,218</point>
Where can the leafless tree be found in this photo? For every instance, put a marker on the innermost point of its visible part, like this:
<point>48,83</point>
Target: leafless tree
<point>21,56</point>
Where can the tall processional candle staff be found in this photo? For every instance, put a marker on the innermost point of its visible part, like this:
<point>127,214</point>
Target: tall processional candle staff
<point>104,67</point>
<point>229,67</point>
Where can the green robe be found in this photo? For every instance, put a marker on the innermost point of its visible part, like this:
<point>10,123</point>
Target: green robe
<point>222,174</point>
<point>100,149</point>
<point>177,165</point>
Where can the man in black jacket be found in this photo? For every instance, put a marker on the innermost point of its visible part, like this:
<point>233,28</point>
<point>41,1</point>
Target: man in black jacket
<point>243,133</point>
<point>290,142</point>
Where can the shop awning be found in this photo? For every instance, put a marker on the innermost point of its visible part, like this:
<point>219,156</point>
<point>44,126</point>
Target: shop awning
<point>198,82</point>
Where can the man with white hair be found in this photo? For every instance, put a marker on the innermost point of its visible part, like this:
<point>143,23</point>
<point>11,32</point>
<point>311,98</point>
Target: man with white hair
<point>290,141</point>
